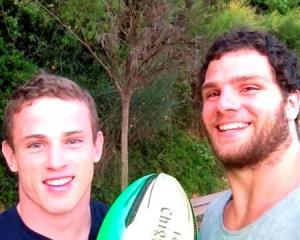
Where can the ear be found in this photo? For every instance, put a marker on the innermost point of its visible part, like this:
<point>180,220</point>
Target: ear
<point>98,146</point>
<point>292,105</point>
<point>9,157</point>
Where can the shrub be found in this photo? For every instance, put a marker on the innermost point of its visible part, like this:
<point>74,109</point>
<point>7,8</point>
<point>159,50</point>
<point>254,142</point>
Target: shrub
<point>286,27</point>
<point>182,156</point>
<point>281,6</point>
<point>8,186</point>
<point>152,108</point>
<point>14,69</point>
<point>235,14</point>
<point>106,183</point>
<point>176,153</point>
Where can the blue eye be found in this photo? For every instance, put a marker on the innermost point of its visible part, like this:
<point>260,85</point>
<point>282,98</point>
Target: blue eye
<point>35,145</point>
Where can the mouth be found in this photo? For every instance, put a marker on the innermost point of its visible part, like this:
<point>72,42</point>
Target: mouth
<point>58,182</point>
<point>232,126</point>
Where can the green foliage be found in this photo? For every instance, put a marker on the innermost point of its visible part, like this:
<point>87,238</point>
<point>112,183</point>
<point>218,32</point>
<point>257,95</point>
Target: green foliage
<point>152,109</point>
<point>14,69</point>
<point>8,186</point>
<point>86,20</point>
<point>286,27</point>
<point>23,24</point>
<point>106,183</point>
<point>176,153</point>
<point>184,114</point>
<point>235,14</point>
<point>182,156</point>
<point>93,78</point>
<point>156,111</point>
<point>281,6</point>
<point>199,14</point>
<point>241,13</point>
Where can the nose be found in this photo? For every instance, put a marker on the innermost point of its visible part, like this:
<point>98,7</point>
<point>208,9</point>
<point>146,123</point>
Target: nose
<point>228,101</point>
<point>56,158</point>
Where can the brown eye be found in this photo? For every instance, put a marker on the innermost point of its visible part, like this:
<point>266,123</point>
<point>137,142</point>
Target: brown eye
<point>74,141</point>
<point>212,94</point>
<point>249,89</point>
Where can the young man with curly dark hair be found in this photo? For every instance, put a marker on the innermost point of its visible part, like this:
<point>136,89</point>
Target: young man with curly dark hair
<point>249,94</point>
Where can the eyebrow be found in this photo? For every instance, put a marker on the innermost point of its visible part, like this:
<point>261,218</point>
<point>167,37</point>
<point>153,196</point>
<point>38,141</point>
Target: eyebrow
<point>72,133</point>
<point>234,80</point>
<point>42,136</point>
<point>39,136</point>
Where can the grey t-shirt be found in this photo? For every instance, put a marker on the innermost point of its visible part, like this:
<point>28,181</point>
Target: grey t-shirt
<point>281,222</point>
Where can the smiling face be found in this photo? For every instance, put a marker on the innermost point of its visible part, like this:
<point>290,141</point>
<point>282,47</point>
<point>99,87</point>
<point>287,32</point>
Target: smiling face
<point>243,108</point>
<point>54,154</point>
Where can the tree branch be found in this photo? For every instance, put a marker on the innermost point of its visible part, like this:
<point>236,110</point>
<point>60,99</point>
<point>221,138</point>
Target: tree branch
<point>84,42</point>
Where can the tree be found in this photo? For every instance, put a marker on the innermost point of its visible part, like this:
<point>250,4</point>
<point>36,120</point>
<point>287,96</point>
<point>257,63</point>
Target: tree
<point>133,41</point>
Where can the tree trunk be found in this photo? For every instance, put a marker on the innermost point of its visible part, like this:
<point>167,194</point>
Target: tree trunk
<point>125,98</point>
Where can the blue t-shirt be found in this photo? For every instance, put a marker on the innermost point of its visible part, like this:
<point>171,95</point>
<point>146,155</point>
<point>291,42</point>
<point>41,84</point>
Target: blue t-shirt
<point>13,228</point>
<point>280,222</point>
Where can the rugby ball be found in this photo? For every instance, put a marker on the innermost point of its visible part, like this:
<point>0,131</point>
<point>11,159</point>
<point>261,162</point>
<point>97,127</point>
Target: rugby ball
<point>153,207</point>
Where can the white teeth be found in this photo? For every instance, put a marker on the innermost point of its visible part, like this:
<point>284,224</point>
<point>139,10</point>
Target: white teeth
<point>233,126</point>
<point>59,181</point>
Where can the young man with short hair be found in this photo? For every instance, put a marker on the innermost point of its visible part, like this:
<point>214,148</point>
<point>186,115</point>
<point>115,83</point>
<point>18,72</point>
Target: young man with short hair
<point>52,141</point>
<point>249,88</point>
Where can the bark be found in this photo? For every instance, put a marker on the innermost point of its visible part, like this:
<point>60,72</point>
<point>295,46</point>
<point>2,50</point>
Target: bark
<point>125,98</point>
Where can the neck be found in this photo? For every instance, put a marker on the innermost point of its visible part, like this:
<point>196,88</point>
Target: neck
<point>257,189</point>
<point>74,224</point>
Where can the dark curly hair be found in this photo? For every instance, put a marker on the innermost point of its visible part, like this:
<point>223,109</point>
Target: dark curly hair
<point>283,61</point>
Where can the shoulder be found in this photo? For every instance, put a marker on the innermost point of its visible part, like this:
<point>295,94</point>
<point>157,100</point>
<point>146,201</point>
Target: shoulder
<point>15,228</point>
<point>288,208</point>
<point>213,218</point>
<point>217,206</point>
<point>12,222</point>
<point>9,217</point>
<point>98,212</point>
